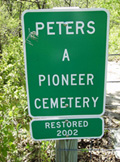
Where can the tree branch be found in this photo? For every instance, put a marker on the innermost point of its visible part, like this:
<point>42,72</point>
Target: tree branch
<point>69,3</point>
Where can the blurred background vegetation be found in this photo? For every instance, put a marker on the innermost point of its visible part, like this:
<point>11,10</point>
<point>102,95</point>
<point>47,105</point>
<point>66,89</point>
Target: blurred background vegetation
<point>15,141</point>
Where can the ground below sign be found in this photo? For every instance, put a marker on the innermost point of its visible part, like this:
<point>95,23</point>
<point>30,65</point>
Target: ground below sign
<point>65,59</point>
<point>67,129</point>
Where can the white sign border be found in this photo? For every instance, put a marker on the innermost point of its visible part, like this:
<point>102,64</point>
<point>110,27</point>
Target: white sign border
<point>107,39</point>
<point>66,137</point>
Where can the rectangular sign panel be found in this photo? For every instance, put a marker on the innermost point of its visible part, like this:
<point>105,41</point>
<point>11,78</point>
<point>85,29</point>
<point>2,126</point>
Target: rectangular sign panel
<point>67,129</point>
<point>65,60</point>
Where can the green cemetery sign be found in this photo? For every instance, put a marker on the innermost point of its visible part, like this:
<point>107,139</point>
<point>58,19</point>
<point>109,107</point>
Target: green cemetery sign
<point>65,60</point>
<point>67,129</point>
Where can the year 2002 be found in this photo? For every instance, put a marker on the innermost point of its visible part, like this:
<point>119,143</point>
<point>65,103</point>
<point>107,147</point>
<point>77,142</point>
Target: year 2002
<point>67,132</point>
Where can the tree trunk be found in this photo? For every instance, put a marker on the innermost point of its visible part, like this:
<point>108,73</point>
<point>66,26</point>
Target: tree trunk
<point>20,19</point>
<point>0,45</point>
<point>38,4</point>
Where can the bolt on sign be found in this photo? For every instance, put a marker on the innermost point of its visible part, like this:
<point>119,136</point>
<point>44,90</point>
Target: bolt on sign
<point>65,60</point>
<point>67,129</point>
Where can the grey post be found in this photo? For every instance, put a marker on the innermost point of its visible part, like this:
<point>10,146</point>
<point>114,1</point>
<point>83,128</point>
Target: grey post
<point>66,150</point>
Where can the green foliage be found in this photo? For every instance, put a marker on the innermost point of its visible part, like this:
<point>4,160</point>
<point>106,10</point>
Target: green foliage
<point>14,123</point>
<point>113,6</point>
<point>15,141</point>
<point>13,104</point>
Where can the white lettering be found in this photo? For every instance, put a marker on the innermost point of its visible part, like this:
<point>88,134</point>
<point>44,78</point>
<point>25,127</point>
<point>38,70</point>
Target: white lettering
<point>36,106</point>
<point>73,79</point>
<point>85,123</point>
<point>47,125</point>
<point>62,102</point>
<point>66,102</point>
<point>79,27</point>
<point>54,103</point>
<point>74,124</point>
<point>50,28</point>
<point>90,78</point>
<point>59,23</point>
<point>85,101</point>
<point>41,79</point>
<point>79,123</point>
<point>39,28</point>
<point>57,79</point>
<point>48,80</point>
<point>65,55</point>
<point>68,124</point>
<point>94,100</point>
<point>52,124</point>
<point>77,102</point>
<point>69,27</point>
<point>45,103</point>
<point>65,79</point>
<point>70,101</point>
<point>91,27</point>
<point>81,79</point>
<point>63,122</point>
<point>58,125</point>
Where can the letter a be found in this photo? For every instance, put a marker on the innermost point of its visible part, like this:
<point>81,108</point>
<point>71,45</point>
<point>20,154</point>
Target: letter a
<point>65,55</point>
